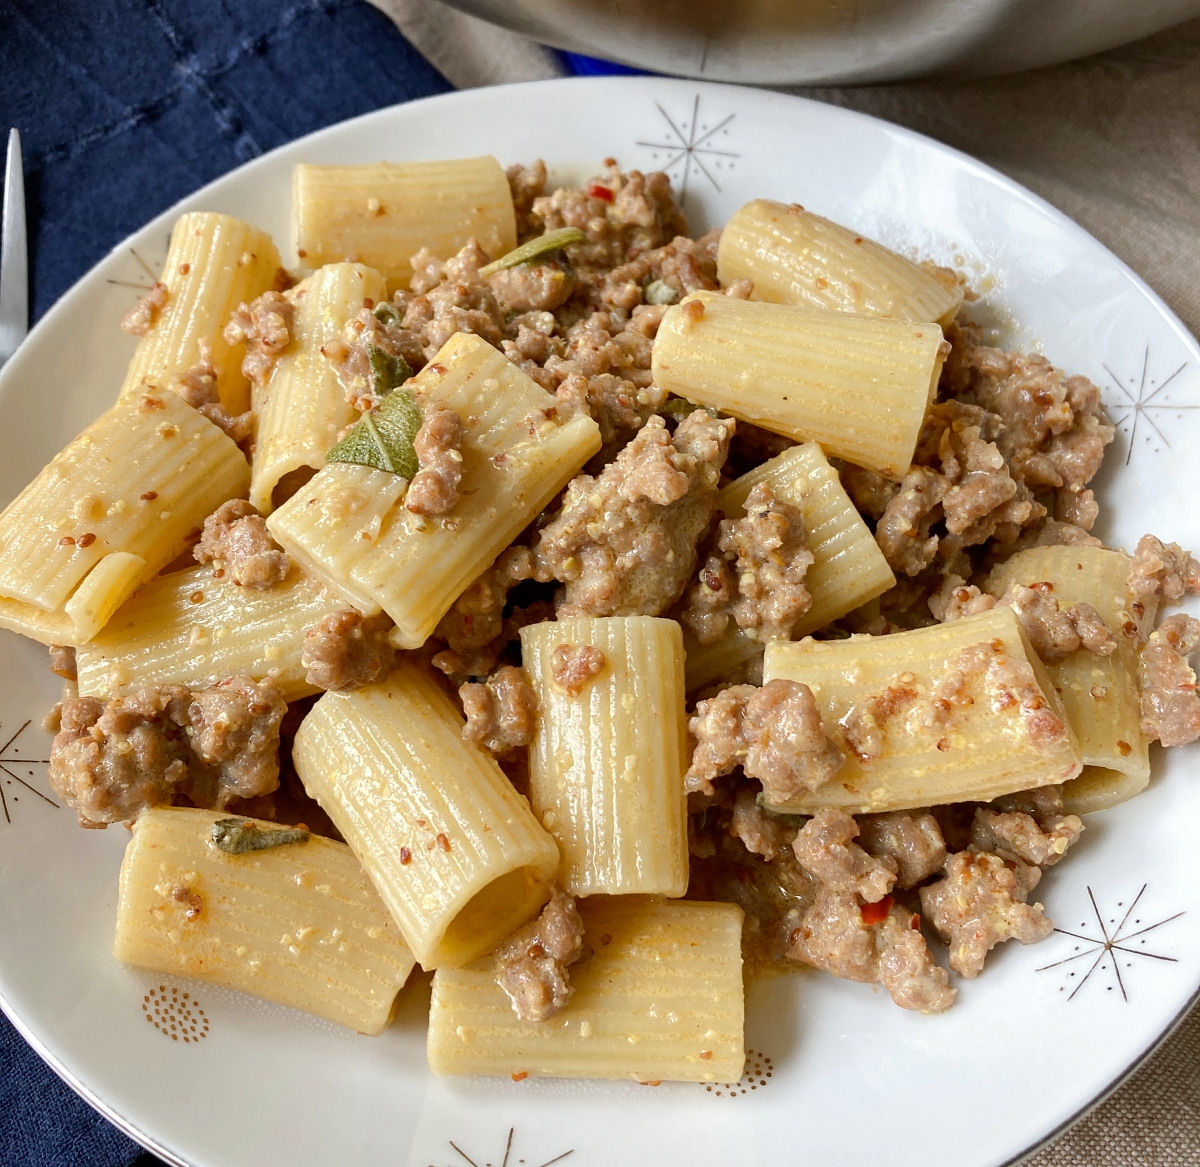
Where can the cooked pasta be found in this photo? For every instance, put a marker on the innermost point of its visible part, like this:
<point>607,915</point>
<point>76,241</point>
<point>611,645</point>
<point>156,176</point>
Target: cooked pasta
<point>135,484</point>
<point>350,529</point>
<point>214,263</point>
<point>979,751</point>
<point>194,628</point>
<point>795,257</point>
<point>383,214</point>
<point>848,569</point>
<point>646,580</point>
<point>298,924</point>
<point>304,405</point>
<point>856,385</point>
<point>454,851</point>
<point>659,999</point>
<point>607,762</point>
<point>1099,693</point>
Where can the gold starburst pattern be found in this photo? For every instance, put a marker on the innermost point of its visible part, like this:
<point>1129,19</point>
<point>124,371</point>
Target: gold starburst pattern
<point>1109,948</point>
<point>1145,404</point>
<point>688,144</point>
<point>14,764</point>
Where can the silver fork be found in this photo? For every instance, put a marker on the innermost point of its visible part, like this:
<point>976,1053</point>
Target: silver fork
<point>14,259</point>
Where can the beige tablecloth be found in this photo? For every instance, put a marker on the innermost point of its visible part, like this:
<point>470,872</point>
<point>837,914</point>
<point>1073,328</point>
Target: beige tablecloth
<point>1114,141</point>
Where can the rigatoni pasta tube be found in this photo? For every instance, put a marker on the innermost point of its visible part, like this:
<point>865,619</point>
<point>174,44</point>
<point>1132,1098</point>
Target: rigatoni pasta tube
<point>298,924</point>
<point>848,569</point>
<point>136,483</point>
<point>304,405</point>
<point>856,385</point>
<point>1100,693</point>
<point>728,657</point>
<point>606,764</point>
<point>350,529</point>
<point>214,263</point>
<point>949,729</point>
<point>192,628</point>
<point>454,850</point>
<point>660,999</point>
<point>384,213</point>
<point>795,257</point>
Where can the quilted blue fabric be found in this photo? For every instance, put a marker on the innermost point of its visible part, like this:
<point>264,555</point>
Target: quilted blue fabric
<point>124,107</point>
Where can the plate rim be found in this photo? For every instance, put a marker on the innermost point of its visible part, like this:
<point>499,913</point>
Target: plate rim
<point>64,305</point>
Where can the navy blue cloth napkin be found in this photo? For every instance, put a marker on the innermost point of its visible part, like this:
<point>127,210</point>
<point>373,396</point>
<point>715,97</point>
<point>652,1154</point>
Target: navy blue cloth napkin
<point>125,106</point>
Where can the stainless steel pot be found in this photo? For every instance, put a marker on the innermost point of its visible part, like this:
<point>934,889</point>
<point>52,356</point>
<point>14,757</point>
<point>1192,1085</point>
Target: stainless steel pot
<point>825,42</point>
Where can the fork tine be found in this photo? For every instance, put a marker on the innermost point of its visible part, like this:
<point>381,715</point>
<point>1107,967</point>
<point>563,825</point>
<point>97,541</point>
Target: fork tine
<point>14,259</point>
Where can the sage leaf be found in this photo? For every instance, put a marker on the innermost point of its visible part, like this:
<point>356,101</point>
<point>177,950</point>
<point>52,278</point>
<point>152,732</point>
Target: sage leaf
<point>238,836</point>
<point>384,438</point>
<point>387,371</point>
<point>543,245</point>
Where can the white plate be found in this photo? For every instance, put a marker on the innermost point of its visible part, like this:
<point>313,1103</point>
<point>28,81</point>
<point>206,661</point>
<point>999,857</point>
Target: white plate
<point>840,1074</point>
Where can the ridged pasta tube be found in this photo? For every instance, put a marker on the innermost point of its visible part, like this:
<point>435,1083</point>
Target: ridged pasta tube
<point>606,765</point>
<point>796,257</point>
<point>848,569</point>
<point>299,924</point>
<point>1100,693</point>
<point>135,484</point>
<point>350,529</point>
<point>384,213</point>
<point>304,405</point>
<point>660,999</point>
<point>191,628</point>
<point>965,744</point>
<point>453,849</point>
<point>214,262</point>
<point>857,385</point>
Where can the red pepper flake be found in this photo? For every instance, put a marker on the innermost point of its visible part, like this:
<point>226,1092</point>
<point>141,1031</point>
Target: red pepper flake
<point>519,1076</point>
<point>197,597</point>
<point>1129,628</point>
<point>823,283</point>
<point>858,239</point>
<point>1124,748</point>
<point>706,1054</point>
<point>368,302</point>
<point>1045,587</point>
<point>184,268</point>
<point>405,855</point>
<point>439,370</point>
<point>596,191</point>
<point>694,310</point>
<point>606,938</point>
<point>218,573</point>
<point>655,1083</point>
<point>609,163</point>
<point>85,540</point>
<point>149,495</point>
<point>914,922</point>
<point>302,253</point>
<point>997,645</point>
<point>443,842</point>
<point>943,744</point>
<point>876,913</point>
<point>67,541</point>
<point>420,822</point>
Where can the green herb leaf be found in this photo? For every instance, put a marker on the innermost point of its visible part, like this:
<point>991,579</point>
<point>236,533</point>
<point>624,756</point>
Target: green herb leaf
<point>543,245</point>
<point>238,836</point>
<point>386,314</point>
<point>384,439</point>
<point>387,371</point>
